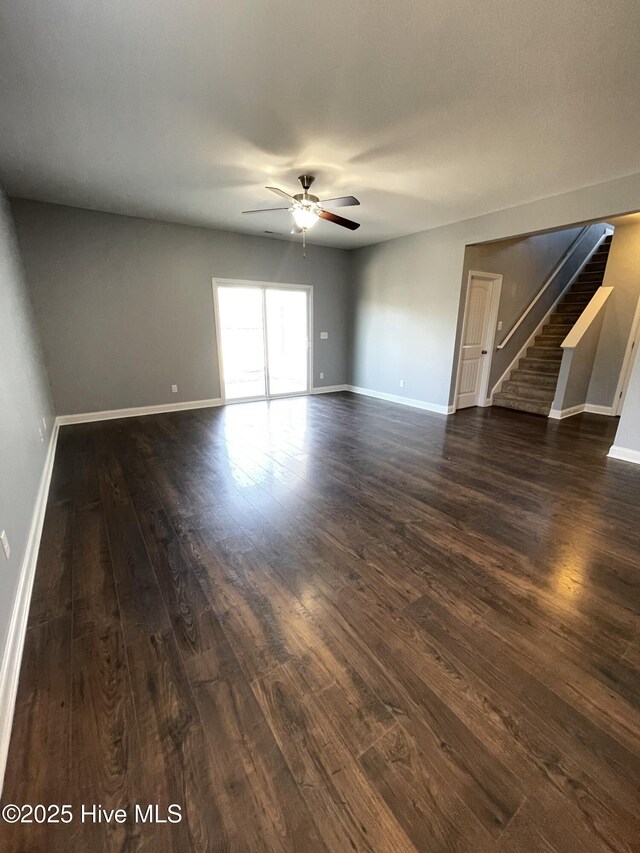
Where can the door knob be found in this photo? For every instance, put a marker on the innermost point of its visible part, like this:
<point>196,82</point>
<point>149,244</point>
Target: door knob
<point>484,352</point>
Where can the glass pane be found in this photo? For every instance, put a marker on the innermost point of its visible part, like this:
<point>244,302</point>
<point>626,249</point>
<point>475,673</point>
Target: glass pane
<point>287,341</point>
<point>242,339</point>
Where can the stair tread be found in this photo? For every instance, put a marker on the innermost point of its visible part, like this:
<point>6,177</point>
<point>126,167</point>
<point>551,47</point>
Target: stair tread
<point>533,406</point>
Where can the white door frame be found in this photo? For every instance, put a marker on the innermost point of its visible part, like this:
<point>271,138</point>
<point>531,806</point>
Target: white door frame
<point>627,363</point>
<point>232,282</point>
<point>496,290</point>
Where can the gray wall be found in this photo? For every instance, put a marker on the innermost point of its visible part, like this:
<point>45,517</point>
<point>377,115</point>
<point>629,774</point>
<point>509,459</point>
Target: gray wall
<point>408,290</point>
<point>24,400</point>
<point>125,305</point>
<point>623,274</point>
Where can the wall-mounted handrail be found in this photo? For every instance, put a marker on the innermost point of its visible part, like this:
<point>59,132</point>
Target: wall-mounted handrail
<point>554,272</point>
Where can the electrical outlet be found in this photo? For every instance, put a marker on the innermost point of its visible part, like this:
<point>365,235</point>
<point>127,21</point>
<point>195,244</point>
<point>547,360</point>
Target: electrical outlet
<point>174,389</point>
<point>402,383</point>
<point>5,544</point>
<point>322,376</point>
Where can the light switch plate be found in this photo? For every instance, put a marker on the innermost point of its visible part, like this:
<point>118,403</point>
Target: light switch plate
<point>174,389</point>
<point>5,544</point>
<point>324,336</point>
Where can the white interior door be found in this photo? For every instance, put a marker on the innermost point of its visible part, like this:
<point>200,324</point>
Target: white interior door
<point>477,341</point>
<point>263,340</point>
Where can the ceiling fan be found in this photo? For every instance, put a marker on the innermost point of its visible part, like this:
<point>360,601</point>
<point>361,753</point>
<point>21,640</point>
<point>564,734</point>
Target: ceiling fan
<point>306,209</point>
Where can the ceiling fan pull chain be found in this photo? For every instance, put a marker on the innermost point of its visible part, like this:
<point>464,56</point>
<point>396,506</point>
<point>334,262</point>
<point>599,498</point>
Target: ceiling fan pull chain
<point>304,243</point>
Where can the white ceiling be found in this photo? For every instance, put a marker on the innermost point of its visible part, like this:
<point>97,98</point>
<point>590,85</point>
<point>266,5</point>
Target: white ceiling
<point>429,112</point>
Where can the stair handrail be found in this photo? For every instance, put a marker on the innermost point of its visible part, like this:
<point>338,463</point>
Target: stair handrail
<point>554,272</point>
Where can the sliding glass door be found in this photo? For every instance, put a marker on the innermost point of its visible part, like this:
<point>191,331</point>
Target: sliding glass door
<point>264,340</point>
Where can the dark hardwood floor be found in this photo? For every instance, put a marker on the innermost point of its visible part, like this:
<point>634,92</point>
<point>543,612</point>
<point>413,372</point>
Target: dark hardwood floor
<point>332,623</point>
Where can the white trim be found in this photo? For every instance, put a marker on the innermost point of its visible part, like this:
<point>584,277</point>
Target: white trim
<point>600,410</point>
<point>624,453</point>
<point>529,342</point>
<point>12,658</point>
<point>560,414</point>
<point>329,389</point>
<point>492,322</point>
<point>136,411</point>
<point>232,282</point>
<point>563,260</point>
<point>627,362</point>
<point>403,401</point>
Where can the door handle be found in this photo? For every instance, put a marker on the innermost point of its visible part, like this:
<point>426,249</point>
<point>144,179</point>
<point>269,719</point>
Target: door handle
<point>484,352</point>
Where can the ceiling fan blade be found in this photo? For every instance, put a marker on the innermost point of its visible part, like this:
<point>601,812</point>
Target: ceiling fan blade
<point>339,220</point>
<point>280,192</point>
<point>343,201</point>
<point>265,209</point>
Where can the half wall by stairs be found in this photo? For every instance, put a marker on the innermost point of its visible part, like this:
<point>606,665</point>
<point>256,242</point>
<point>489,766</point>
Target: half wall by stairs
<point>532,383</point>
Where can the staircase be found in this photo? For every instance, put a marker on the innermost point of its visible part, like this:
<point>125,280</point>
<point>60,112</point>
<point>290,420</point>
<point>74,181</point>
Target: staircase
<point>531,386</point>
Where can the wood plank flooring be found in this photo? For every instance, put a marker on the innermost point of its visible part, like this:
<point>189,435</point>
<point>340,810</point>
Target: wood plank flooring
<point>332,623</point>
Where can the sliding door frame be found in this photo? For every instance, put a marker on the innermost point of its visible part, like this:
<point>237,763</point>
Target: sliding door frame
<point>232,282</point>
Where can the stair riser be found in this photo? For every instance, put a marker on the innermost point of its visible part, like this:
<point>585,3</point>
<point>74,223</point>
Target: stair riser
<point>561,321</point>
<point>569,308</point>
<point>521,405</point>
<point>591,275</point>
<point>539,380</point>
<point>551,368</point>
<point>549,341</point>
<point>585,287</point>
<point>574,299</point>
<point>531,392</point>
<point>555,331</point>
<point>543,354</point>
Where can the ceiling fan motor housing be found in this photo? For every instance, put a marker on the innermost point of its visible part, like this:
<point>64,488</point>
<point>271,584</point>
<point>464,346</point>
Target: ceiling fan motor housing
<point>306,197</point>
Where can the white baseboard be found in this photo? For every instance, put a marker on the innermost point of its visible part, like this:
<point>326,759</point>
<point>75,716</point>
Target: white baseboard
<point>559,414</point>
<point>600,410</point>
<point>12,658</point>
<point>624,453</point>
<point>329,389</point>
<point>136,412</point>
<point>403,401</point>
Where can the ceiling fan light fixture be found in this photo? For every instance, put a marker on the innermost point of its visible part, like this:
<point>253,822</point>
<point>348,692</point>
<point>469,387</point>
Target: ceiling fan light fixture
<point>304,215</point>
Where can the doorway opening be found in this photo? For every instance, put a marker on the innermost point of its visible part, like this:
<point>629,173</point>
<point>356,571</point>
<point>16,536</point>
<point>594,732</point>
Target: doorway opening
<point>264,333</point>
